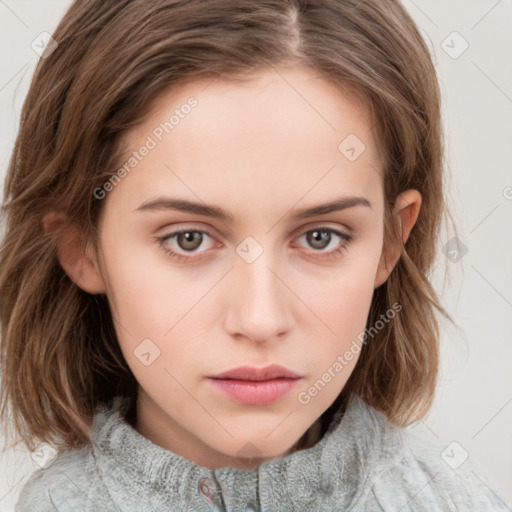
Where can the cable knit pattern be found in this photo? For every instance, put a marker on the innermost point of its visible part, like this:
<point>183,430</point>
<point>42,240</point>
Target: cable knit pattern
<point>362,463</point>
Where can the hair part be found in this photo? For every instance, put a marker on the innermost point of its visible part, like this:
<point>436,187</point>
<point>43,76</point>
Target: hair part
<point>59,353</point>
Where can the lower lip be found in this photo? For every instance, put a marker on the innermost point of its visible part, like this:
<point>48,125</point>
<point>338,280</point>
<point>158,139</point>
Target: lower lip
<point>255,392</point>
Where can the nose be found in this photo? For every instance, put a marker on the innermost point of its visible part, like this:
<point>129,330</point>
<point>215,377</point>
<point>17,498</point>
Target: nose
<point>258,304</point>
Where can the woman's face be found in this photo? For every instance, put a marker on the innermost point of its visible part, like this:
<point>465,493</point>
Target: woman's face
<point>262,272</point>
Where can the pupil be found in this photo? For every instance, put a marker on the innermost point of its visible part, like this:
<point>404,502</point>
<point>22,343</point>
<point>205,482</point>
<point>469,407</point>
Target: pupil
<point>190,240</point>
<point>317,237</point>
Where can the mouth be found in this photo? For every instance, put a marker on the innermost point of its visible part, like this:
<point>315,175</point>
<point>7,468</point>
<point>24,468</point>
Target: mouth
<point>255,386</point>
<point>250,373</point>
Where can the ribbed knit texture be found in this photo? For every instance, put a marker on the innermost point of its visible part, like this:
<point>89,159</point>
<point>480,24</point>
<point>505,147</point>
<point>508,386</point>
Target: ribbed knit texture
<point>363,463</point>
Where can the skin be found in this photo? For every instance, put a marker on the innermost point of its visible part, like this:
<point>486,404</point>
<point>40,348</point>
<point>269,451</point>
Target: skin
<point>260,150</point>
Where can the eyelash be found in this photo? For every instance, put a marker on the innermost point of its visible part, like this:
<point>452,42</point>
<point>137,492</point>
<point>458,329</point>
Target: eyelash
<point>347,242</point>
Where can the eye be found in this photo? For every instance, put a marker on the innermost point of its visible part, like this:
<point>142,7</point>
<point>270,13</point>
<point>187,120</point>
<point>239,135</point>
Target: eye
<point>182,245</point>
<point>323,237</point>
<point>186,240</point>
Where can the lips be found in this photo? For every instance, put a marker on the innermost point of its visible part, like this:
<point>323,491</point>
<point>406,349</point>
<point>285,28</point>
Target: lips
<point>255,386</point>
<point>273,371</point>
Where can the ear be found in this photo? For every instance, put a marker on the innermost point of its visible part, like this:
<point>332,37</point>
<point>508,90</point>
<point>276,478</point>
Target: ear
<point>78,261</point>
<point>405,213</point>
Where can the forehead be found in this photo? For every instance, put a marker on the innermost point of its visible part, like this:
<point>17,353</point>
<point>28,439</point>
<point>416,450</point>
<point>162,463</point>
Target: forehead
<point>292,103</point>
<point>281,135</point>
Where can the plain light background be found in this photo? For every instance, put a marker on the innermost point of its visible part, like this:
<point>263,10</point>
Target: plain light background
<point>471,44</point>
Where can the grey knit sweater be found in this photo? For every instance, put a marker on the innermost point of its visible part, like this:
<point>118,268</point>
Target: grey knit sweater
<point>362,463</point>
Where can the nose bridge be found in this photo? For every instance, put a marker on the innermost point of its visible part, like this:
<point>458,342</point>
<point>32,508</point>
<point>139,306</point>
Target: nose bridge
<point>257,303</point>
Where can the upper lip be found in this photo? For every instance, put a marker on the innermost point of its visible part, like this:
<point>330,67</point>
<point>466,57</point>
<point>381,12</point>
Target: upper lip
<point>273,371</point>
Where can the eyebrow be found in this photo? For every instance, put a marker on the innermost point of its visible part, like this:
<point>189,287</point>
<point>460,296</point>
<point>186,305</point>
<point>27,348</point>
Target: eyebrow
<point>182,205</point>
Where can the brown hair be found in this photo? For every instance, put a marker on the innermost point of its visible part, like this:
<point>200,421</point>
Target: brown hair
<point>60,356</point>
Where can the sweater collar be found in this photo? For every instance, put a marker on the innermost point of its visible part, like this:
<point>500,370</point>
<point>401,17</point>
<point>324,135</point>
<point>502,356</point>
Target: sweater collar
<point>134,468</point>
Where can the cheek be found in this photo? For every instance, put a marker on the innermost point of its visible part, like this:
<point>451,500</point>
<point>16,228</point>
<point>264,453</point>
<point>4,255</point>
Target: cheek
<point>345,298</point>
<point>343,304</point>
<point>344,310</point>
<point>345,314</point>
<point>159,310</point>
<point>146,295</point>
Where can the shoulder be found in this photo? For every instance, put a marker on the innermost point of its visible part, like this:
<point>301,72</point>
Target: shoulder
<point>69,483</point>
<point>432,475</point>
<point>72,481</point>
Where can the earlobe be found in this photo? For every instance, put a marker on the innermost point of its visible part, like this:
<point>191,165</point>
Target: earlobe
<point>77,259</point>
<point>405,213</point>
